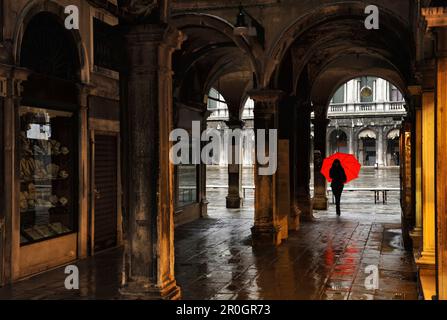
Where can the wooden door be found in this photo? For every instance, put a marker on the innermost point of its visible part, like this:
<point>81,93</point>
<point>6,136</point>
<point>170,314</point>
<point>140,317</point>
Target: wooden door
<point>105,192</point>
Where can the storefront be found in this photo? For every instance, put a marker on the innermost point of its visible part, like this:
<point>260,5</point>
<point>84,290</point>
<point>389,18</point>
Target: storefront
<point>60,171</point>
<point>190,179</point>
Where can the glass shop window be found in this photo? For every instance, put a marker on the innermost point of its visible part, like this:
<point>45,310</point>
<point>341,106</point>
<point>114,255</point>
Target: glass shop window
<point>187,184</point>
<point>187,180</point>
<point>47,174</point>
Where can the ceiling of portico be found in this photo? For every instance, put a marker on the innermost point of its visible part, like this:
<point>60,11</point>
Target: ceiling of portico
<point>210,55</point>
<point>338,50</point>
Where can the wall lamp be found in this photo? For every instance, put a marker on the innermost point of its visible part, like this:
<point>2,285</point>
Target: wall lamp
<point>252,29</point>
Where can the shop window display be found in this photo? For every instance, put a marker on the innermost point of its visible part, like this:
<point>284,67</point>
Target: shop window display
<point>47,171</point>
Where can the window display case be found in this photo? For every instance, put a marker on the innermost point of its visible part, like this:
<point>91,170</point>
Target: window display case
<point>47,171</point>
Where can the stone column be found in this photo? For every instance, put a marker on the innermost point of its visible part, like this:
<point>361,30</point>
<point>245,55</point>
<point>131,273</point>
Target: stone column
<point>416,233</point>
<point>2,186</point>
<point>441,157</point>
<point>202,171</point>
<point>427,257</point>
<point>9,219</point>
<point>407,179</point>
<point>234,197</point>
<point>292,107</point>
<point>268,224</point>
<point>146,120</point>
<point>83,160</point>
<point>380,146</point>
<point>320,183</point>
<point>302,162</point>
<point>351,141</point>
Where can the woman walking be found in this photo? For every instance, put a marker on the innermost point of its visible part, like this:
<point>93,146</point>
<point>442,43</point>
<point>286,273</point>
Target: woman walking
<point>338,176</point>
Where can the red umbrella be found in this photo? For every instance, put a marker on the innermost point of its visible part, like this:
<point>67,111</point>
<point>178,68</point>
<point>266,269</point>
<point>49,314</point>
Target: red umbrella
<point>349,163</point>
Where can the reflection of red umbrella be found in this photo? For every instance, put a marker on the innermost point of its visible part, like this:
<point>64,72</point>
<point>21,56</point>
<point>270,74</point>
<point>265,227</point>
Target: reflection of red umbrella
<point>349,163</point>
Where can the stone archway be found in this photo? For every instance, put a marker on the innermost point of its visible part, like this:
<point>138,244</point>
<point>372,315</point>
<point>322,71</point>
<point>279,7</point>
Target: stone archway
<point>367,152</point>
<point>393,147</point>
<point>57,12</point>
<point>338,142</point>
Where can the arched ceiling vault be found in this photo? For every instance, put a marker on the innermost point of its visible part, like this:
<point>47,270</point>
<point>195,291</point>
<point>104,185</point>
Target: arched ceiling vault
<point>209,52</point>
<point>338,47</point>
<point>342,22</point>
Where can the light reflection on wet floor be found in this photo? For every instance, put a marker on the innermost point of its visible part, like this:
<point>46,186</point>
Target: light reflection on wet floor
<point>325,259</point>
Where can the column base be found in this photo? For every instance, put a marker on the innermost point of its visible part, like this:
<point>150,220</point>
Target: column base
<point>320,203</point>
<point>234,202</point>
<point>427,260</point>
<point>144,290</point>
<point>204,208</point>
<point>305,206</point>
<point>266,235</point>
<point>294,218</point>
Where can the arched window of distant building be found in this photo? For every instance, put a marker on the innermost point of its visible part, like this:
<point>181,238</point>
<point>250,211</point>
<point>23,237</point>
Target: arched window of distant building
<point>339,141</point>
<point>367,147</point>
<point>395,94</point>
<point>339,96</point>
<point>393,148</point>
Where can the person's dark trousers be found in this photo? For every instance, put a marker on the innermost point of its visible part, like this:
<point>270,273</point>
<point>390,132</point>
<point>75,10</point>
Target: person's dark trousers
<point>337,190</point>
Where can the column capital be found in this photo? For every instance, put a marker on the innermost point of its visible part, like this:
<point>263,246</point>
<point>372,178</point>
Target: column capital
<point>151,37</point>
<point>142,11</point>
<point>266,103</point>
<point>153,32</point>
<point>235,124</point>
<point>266,95</point>
<point>435,16</point>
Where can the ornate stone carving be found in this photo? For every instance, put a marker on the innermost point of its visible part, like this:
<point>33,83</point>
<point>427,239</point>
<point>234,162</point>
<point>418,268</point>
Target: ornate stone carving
<point>139,8</point>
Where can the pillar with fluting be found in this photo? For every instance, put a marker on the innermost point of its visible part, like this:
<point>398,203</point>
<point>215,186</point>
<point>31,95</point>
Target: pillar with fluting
<point>441,157</point>
<point>269,222</point>
<point>234,197</point>
<point>146,118</point>
<point>320,201</point>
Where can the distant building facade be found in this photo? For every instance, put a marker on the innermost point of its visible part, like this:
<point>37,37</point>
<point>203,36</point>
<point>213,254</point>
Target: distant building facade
<point>365,118</point>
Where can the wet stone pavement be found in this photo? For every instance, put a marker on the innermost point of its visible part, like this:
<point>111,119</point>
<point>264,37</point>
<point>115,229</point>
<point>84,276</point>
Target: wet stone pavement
<point>215,259</point>
<point>325,259</point>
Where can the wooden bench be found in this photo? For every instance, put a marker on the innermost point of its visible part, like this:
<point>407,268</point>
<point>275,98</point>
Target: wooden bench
<point>244,188</point>
<point>377,191</point>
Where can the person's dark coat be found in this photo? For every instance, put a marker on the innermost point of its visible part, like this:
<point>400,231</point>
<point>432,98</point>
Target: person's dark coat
<point>338,175</point>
